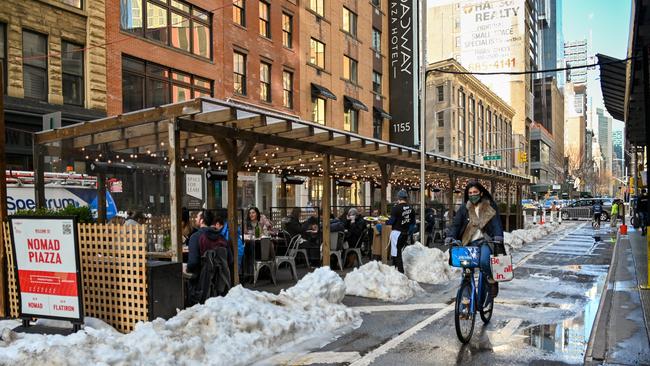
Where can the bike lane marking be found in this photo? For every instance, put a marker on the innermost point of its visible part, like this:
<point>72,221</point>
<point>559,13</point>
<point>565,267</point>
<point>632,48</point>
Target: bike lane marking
<point>368,358</point>
<point>405,307</point>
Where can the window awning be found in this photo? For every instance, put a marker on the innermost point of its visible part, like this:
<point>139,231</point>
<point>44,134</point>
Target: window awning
<point>322,91</point>
<point>382,113</point>
<point>355,104</point>
<point>612,83</point>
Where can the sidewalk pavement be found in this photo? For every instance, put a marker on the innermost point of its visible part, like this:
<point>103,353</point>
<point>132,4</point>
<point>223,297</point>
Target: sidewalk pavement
<point>621,332</point>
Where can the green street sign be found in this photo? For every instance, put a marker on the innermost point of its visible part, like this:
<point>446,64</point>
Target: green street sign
<point>492,157</point>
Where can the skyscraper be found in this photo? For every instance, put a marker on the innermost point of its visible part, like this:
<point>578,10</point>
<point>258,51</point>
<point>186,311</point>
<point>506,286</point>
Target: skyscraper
<point>575,54</point>
<point>552,38</point>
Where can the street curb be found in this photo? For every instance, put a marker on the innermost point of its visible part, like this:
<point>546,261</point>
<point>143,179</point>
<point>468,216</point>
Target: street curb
<point>603,299</point>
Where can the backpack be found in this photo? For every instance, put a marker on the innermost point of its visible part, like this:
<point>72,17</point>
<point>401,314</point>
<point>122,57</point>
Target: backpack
<point>206,243</point>
<point>214,279</point>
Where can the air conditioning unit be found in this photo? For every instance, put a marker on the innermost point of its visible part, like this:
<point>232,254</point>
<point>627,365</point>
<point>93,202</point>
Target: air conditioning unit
<point>216,175</point>
<point>288,179</point>
<point>344,182</point>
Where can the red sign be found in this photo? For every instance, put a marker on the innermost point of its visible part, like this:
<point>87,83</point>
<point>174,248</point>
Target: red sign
<point>47,261</point>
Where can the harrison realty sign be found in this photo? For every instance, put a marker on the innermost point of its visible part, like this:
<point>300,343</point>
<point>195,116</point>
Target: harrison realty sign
<point>403,71</point>
<point>47,263</point>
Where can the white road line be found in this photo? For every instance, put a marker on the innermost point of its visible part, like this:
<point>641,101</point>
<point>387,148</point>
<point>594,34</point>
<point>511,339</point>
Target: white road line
<point>384,348</point>
<point>371,356</point>
<point>405,307</point>
<point>296,359</point>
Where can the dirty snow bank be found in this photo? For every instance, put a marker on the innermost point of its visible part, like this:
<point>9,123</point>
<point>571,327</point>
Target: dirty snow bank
<point>518,238</point>
<point>236,329</point>
<point>379,281</point>
<point>427,265</point>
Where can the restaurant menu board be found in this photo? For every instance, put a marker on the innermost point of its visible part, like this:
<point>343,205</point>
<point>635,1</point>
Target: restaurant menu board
<point>47,263</point>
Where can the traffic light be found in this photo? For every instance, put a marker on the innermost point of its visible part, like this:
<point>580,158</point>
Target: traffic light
<point>523,157</point>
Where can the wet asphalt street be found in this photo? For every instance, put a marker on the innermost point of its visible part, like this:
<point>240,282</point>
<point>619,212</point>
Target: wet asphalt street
<point>544,316</point>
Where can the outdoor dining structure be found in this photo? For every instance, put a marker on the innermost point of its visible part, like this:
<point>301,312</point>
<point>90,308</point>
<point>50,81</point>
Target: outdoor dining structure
<point>223,138</point>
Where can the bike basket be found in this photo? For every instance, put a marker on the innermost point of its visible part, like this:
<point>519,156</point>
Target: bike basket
<point>466,257</point>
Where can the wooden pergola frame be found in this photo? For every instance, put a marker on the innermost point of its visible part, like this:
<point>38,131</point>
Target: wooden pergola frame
<point>238,137</point>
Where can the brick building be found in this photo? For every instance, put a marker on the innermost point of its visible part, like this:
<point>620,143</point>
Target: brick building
<point>343,61</point>
<point>167,51</point>
<point>51,54</point>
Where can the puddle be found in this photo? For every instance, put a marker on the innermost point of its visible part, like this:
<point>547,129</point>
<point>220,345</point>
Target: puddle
<point>567,339</point>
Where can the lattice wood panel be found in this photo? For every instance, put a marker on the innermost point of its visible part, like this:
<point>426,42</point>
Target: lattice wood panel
<point>113,268</point>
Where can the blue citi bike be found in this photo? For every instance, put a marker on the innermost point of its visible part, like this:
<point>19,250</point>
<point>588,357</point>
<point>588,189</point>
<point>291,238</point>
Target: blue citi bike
<point>470,297</point>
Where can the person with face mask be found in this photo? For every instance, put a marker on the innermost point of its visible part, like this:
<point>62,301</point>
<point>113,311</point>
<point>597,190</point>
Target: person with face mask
<point>477,223</point>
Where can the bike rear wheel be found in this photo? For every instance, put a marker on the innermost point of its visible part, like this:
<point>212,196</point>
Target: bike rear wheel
<point>464,317</point>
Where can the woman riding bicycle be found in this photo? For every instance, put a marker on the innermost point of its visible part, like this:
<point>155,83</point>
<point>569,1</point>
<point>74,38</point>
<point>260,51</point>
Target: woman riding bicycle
<point>477,223</point>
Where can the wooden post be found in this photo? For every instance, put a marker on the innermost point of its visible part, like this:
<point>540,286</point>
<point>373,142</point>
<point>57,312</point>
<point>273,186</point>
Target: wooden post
<point>493,189</point>
<point>39,173</point>
<point>386,172</point>
<point>175,189</point>
<point>325,203</point>
<point>508,207</point>
<point>520,211</point>
<point>452,188</point>
<point>334,202</point>
<point>3,199</point>
<point>101,198</point>
<point>283,198</point>
<point>236,157</point>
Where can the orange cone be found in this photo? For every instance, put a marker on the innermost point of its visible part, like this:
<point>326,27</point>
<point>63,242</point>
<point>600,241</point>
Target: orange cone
<point>623,229</point>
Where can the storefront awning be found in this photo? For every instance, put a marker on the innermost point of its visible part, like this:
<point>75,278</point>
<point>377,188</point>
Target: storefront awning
<point>322,91</point>
<point>382,113</point>
<point>612,84</point>
<point>355,104</point>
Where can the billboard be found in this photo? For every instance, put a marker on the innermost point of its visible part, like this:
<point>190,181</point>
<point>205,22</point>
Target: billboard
<point>47,264</point>
<point>56,198</point>
<point>403,71</point>
<point>492,39</point>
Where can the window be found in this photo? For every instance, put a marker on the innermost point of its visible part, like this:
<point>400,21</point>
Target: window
<point>461,111</point>
<point>146,84</point>
<point>287,30</point>
<point>376,40</point>
<point>377,126</point>
<point>239,12</point>
<point>318,110</point>
<point>350,119</point>
<point>317,6</point>
<point>76,3</point>
<point>265,19</point>
<point>287,89</point>
<point>35,65</point>
<point>349,22</point>
<point>239,73</point>
<point>265,82</point>
<point>376,82</point>
<point>174,23</point>
<point>317,53</point>
<point>72,58</point>
<point>440,116</point>
<point>3,54</point>
<point>349,69</point>
<point>441,92</point>
<point>376,3</point>
<point>441,144</point>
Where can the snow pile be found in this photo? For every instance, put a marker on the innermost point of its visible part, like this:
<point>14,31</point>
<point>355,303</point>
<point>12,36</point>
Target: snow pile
<point>427,265</point>
<point>233,330</point>
<point>518,238</point>
<point>379,281</point>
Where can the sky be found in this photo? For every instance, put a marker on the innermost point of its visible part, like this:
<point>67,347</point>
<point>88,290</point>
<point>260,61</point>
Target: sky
<point>606,25</point>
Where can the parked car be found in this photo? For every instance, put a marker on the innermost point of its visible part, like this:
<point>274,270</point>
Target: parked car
<point>581,209</point>
<point>528,204</point>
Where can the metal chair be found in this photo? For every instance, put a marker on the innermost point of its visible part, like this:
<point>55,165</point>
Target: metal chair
<point>294,250</point>
<point>267,259</point>
<point>356,249</point>
<point>290,257</point>
<point>438,228</point>
<point>334,247</point>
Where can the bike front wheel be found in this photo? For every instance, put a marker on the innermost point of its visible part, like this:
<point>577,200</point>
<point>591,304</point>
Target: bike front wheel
<point>488,305</point>
<point>464,317</point>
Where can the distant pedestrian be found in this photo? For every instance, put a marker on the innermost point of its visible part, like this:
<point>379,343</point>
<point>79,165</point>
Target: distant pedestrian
<point>401,219</point>
<point>614,214</point>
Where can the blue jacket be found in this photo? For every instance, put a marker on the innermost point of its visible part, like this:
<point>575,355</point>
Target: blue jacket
<point>493,228</point>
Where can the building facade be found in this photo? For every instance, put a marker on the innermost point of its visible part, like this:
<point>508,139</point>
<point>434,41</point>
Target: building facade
<point>465,119</point>
<point>54,68</point>
<point>508,42</point>
<point>344,65</point>
<point>547,135</point>
<point>575,54</point>
<point>552,40</point>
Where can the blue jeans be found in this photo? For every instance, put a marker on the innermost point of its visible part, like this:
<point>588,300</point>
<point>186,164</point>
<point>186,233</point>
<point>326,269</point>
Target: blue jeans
<point>484,262</point>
